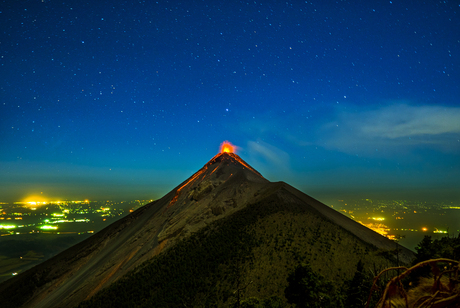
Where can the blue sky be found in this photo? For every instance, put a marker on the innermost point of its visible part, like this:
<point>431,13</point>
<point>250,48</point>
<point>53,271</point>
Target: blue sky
<point>124,100</point>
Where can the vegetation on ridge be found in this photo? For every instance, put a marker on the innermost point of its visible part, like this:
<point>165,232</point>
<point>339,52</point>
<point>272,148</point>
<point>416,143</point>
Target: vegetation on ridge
<point>431,282</point>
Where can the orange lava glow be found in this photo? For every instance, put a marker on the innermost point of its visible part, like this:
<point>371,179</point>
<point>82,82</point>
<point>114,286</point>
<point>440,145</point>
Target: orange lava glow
<point>227,147</point>
<point>176,196</point>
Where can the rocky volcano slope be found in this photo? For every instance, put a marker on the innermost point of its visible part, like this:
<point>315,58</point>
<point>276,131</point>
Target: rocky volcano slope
<point>222,188</point>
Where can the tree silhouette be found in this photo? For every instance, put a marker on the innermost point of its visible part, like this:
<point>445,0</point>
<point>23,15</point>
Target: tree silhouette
<point>358,288</point>
<point>308,289</point>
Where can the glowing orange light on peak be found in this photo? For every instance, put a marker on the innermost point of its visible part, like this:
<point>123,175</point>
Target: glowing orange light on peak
<point>227,147</point>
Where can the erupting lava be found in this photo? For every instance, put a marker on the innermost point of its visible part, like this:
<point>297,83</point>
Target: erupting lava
<point>227,147</point>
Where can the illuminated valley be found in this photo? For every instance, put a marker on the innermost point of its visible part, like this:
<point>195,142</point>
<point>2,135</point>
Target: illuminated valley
<point>403,220</point>
<point>33,231</point>
<point>69,222</point>
<point>62,217</point>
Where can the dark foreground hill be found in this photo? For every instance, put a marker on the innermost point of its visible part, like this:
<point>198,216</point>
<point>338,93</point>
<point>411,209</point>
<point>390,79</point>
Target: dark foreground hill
<point>224,229</point>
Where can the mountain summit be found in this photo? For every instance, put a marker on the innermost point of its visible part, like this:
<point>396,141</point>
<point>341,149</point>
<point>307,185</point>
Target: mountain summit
<point>219,188</point>
<point>226,192</point>
<point>221,168</point>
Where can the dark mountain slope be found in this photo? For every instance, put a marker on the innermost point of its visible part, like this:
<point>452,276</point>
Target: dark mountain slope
<point>257,246</point>
<point>364,233</point>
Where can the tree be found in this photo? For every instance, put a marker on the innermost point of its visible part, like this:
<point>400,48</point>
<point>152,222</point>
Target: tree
<point>358,288</point>
<point>308,289</point>
<point>425,250</point>
<point>446,247</point>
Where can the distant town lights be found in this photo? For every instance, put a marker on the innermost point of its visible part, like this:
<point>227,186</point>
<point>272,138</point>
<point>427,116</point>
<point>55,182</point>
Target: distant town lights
<point>36,203</point>
<point>7,226</point>
<point>46,227</point>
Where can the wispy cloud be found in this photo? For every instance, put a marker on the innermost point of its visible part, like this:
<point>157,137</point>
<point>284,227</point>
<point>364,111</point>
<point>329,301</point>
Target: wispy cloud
<point>396,127</point>
<point>292,128</point>
<point>269,158</point>
<point>411,121</point>
<point>390,129</point>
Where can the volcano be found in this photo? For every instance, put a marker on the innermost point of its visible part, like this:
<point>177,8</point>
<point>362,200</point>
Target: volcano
<point>271,220</point>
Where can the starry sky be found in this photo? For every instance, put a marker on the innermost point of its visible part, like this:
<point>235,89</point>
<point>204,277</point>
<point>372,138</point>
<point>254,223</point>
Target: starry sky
<point>126,99</point>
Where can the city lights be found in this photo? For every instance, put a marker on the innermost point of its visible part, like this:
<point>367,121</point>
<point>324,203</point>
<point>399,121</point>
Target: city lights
<point>62,217</point>
<point>7,226</point>
<point>48,227</point>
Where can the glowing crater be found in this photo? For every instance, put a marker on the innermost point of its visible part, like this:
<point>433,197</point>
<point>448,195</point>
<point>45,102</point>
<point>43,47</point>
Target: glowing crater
<point>227,147</point>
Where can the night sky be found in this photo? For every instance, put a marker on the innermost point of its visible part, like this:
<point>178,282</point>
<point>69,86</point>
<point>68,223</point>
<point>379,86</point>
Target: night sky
<point>126,99</point>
